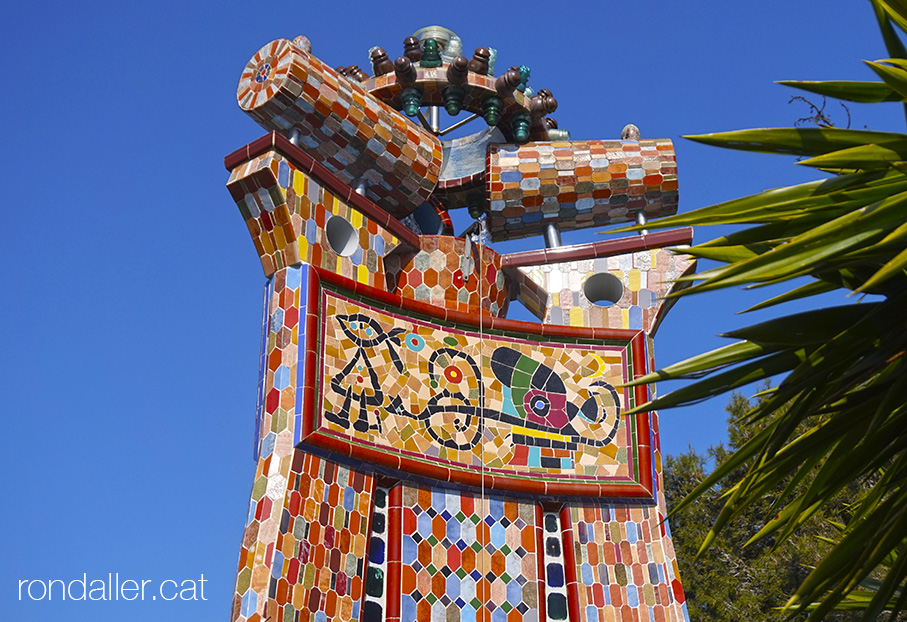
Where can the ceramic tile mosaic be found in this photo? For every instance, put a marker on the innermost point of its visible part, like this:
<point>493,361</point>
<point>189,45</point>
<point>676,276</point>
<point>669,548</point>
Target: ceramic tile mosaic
<point>467,558</point>
<point>418,456</point>
<point>624,564</point>
<point>355,136</point>
<point>374,605</point>
<point>452,273</point>
<point>645,278</point>
<point>578,184</point>
<point>288,214</point>
<point>274,442</point>
<point>531,415</point>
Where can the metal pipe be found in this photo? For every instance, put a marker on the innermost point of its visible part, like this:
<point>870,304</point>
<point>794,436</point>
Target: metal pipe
<point>641,220</point>
<point>434,113</point>
<point>422,120</point>
<point>552,236</point>
<point>459,124</point>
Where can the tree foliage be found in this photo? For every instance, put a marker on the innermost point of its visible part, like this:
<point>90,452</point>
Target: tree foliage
<point>729,582</point>
<point>840,414</point>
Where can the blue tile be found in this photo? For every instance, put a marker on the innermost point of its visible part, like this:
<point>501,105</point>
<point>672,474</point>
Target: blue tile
<point>282,377</point>
<point>283,174</point>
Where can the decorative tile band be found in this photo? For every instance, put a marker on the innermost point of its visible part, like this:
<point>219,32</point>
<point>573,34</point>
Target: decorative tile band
<point>467,557</point>
<point>355,136</point>
<point>578,184</point>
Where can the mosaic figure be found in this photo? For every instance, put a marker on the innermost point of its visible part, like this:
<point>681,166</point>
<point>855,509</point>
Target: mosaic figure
<point>419,456</point>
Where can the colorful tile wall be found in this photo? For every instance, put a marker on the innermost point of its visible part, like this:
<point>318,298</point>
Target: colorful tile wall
<point>625,564</point>
<point>320,555</point>
<point>452,273</point>
<point>287,212</point>
<point>467,558</point>
<point>275,443</point>
<point>646,277</point>
<point>577,184</point>
<point>355,136</point>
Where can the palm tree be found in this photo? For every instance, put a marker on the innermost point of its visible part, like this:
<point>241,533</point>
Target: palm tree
<point>844,367</point>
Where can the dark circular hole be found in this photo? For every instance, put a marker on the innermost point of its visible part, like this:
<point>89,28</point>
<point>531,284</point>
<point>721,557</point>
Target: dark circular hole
<point>341,235</point>
<point>603,289</point>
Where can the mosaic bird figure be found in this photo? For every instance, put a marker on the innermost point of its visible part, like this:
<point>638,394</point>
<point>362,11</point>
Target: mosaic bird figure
<point>539,397</point>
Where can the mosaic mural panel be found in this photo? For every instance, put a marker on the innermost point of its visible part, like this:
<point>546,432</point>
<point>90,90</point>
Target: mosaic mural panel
<point>355,136</point>
<point>489,409</point>
<point>468,558</point>
<point>578,184</point>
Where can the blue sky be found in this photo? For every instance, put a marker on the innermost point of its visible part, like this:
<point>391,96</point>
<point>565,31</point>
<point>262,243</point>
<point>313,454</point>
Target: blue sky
<point>131,297</point>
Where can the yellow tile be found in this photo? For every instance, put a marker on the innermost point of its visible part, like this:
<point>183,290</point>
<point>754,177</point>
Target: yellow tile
<point>299,183</point>
<point>634,278</point>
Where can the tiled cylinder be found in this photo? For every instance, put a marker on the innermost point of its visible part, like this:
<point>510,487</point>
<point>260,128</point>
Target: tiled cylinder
<point>354,135</point>
<point>578,184</point>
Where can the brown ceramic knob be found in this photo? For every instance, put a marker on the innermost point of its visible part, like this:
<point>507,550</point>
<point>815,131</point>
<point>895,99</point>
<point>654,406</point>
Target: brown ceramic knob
<point>354,72</point>
<point>381,64</point>
<point>342,71</point>
<point>412,50</point>
<point>405,71</point>
<point>537,106</point>
<point>550,123</point>
<point>506,84</point>
<point>457,70</point>
<point>479,62</point>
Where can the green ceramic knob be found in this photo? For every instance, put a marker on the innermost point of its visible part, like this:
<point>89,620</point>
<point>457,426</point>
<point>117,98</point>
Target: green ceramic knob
<point>491,110</point>
<point>411,97</point>
<point>519,125</point>
<point>431,54</point>
<point>453,98</point>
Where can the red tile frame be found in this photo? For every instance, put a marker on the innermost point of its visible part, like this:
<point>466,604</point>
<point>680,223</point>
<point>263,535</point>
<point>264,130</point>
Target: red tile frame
<point>639,486</point>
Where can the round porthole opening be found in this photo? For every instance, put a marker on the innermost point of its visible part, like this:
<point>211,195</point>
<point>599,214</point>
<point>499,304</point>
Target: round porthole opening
<point>603,289</point>
<point>342,237</point>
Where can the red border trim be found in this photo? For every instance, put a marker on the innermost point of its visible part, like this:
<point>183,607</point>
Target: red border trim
<point>569,563</point>
<point>540,562</point>
<point>593,250</point>
<point>393,586</point>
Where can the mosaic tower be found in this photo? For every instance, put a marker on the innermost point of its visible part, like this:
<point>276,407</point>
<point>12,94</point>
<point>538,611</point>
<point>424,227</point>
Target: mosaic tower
<point>419,456</point>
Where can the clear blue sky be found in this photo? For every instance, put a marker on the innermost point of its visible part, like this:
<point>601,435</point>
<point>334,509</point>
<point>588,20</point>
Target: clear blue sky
<point>131,292</point>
